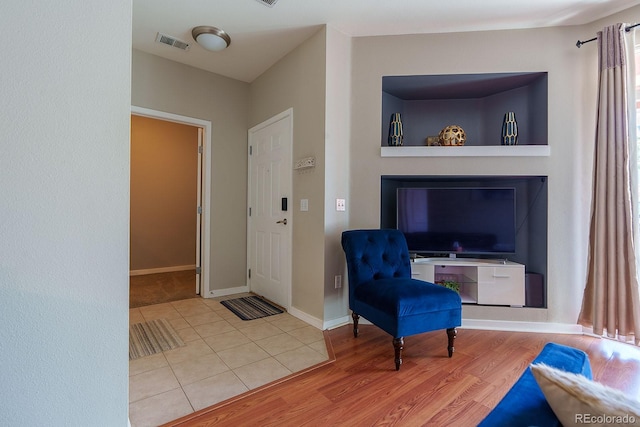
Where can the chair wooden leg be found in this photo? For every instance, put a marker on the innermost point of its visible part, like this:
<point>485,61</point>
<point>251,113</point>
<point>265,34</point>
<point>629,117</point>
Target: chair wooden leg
<point>355,323</point>
<point>398,345</point>
<point>451,333</point>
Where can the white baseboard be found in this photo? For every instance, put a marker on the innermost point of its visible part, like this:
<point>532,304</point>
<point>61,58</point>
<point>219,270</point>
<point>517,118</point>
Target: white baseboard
<point>313,321</point>
<point>228,291</point>
<point>161,270</point>
<point>336,323</point>
<point>489,325</point>
<point>346,320</point>
<point>517,326</point>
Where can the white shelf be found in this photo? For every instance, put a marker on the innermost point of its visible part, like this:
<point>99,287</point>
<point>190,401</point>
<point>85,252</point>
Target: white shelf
<point>467,298</point>
<point>442,261</point>
<point>468,151</point>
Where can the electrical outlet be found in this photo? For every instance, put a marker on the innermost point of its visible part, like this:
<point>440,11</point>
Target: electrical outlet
<point>337,281</point>
<point>341,205</point>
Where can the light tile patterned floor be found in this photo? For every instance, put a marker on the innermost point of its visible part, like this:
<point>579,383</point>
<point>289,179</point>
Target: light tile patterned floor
<point>224,356</point>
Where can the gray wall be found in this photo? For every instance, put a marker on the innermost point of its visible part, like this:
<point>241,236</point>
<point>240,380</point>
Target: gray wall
<point>64,186</point>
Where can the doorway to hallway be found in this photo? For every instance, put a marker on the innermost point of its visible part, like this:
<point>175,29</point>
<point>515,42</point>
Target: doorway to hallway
<point>170,202</point>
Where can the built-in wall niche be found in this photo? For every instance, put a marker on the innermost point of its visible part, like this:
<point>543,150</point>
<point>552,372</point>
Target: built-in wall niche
<point>531,217</point>
<point>476,102</point>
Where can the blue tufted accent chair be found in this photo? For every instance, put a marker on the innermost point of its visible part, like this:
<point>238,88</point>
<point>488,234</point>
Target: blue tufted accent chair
<point>382,291</point>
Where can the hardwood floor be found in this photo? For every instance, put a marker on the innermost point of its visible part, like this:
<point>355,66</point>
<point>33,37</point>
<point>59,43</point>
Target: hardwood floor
<point>362,388</point>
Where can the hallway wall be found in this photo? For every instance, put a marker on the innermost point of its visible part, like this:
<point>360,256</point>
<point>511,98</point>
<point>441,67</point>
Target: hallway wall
<point>164,172</point>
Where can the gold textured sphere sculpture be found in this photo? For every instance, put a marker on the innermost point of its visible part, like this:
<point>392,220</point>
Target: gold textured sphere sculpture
<point>452,135</point>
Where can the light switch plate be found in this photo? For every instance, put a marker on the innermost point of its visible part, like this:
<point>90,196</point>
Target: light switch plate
<point>304,205</point>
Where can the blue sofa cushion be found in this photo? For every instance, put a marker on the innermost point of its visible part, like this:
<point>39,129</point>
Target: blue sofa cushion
<point>524,404</point>
<point>406,297</point>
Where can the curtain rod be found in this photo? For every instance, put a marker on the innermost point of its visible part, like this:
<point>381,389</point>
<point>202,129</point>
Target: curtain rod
<point>580,43</point>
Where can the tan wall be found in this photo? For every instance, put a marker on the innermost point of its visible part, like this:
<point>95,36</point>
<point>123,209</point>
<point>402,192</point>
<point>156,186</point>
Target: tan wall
<point>570,124</point>
<point>164,172</point>
<point>572,99</point>
<point>337,141</point>
<point>298,81</point>
<point>168,86</point>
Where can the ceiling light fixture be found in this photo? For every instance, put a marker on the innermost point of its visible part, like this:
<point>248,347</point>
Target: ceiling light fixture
<point>211,38</point>
<point>269,3</point>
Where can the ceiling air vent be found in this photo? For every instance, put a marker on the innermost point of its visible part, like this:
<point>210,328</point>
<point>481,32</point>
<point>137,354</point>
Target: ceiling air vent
<point>269,3</point>
<point>172,41</point>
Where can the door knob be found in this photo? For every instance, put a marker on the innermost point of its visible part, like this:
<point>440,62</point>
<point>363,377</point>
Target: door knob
<point>284,221</point>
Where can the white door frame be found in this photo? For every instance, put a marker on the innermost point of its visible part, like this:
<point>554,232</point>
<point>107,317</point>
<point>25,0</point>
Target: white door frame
<point>205,290</point>
<point>287,113</point>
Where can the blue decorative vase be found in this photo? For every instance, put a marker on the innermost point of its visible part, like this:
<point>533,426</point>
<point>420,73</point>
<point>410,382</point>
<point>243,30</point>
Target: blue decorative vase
<point>395,130</point>
<point>509,129</point>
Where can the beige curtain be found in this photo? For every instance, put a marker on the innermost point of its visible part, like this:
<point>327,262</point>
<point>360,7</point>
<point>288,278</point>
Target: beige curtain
<point>610,305</point>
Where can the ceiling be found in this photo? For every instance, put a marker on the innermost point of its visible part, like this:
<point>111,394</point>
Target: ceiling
<point>262,35</point>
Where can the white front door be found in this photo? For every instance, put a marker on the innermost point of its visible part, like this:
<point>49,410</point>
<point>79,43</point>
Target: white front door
<point>270,207</point>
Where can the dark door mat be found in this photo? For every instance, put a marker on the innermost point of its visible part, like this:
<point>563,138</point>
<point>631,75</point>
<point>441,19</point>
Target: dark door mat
<point>249,308</point>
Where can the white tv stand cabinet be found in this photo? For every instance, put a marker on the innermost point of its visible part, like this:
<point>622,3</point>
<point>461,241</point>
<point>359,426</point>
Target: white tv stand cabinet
<point>482,281</point>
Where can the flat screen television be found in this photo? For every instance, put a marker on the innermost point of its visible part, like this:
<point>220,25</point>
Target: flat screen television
<point>473,221</point>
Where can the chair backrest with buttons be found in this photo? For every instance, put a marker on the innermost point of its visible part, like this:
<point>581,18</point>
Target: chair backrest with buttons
<point>375,254</point>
